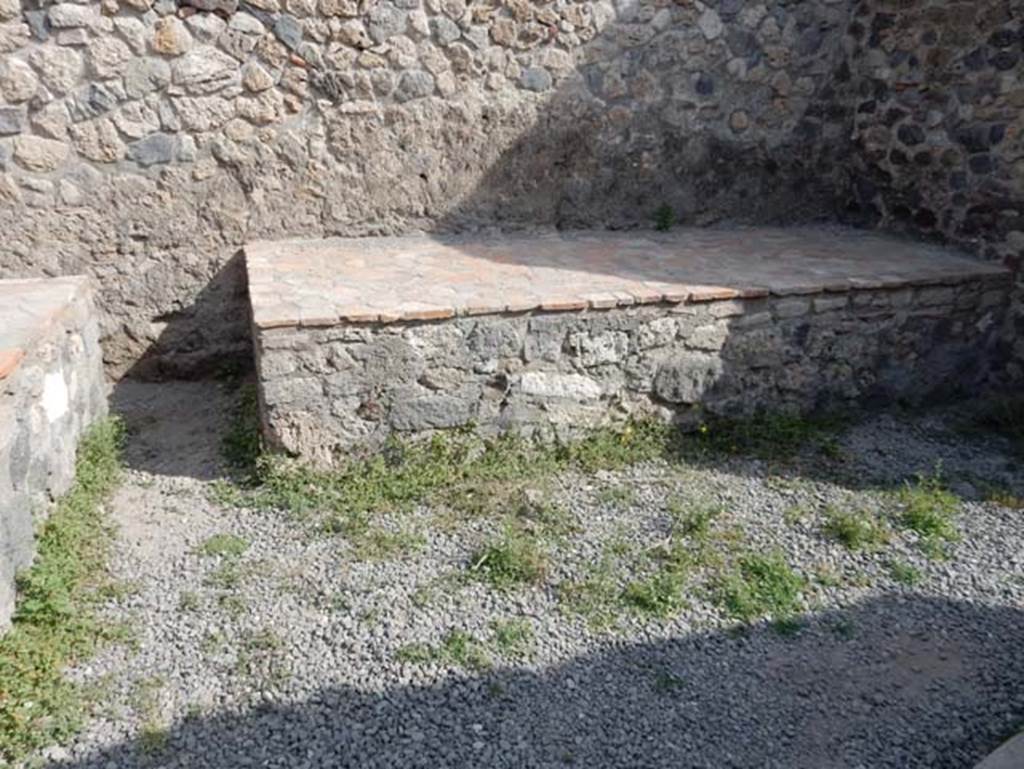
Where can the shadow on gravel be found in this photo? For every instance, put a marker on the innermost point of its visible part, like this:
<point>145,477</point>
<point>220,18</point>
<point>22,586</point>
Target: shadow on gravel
<point>901,681</point>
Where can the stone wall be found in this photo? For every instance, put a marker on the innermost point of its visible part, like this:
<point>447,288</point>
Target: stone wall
<point>937,90</point>
<point>143,141</point>
<point>328,391</point>
<point>56,390</point>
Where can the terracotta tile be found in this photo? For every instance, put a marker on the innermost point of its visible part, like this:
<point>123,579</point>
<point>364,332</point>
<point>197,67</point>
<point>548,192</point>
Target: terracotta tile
<point>9,360</point>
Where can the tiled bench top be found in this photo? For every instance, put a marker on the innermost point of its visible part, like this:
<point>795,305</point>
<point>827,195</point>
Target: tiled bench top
<point>423,277</point>
<point>27,308</point>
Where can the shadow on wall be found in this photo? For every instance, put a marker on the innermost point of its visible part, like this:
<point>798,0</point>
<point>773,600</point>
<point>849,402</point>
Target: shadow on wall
<point>734,116</point>
<point>717,116</point>
<point>181,348</point>
<point>858,688</point>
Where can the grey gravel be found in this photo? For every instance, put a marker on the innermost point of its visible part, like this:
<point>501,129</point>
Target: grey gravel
<point>296,666</point>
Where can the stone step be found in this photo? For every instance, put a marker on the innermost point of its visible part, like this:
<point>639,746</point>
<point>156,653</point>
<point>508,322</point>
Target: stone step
<point>51,388</point>
<point>360,338</point>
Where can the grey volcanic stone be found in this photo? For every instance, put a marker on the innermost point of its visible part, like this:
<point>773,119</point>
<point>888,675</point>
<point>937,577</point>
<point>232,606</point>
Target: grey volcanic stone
<point>688,379</point>
<point>158,148</point>
<point>430,412</point>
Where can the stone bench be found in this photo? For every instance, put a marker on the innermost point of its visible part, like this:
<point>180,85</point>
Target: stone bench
<point>51,388</point>
<point>357,339</point>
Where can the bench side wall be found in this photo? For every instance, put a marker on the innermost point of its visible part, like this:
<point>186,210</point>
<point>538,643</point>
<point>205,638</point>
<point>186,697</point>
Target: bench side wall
<point>328,391</point>
<point>56,392</point>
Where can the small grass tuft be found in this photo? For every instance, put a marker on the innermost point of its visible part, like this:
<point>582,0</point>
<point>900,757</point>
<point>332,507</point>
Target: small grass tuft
<point>513,637</point>
<point>905,573</point>
<point>761,586</point>
<point>767,435</point>
<point>224,545</point>
<point>928,509</point>
<point>660,595</point>
<point>855,529</point>
<point>664,218</point>
<point>55,623</point>
<point>514,558</point>
<point>242,445</point>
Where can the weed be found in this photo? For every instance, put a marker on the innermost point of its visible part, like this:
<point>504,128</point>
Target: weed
<point>224,545</point>
<point>795,514</point>
<point>855,529</point>
<point>415,653</point>
<point>227,576</point>
<point>1004,498</point>
<point>256,653</point>
<point>664,218</point>
<point>153,737</point>
<point>188,601</point>
<point>616,496</point>
<point>55,623</point>
<point>513,637</point>
<point>462,649</point>
<point>768,436</point>
<point>595,597</point>
<point>667,682</point>
<point>514,558</point>
<point>905,573</point>
<point>242,444</point>
<point>660,595</point>
<point>457,648</point>
<point>692,522</point>
<point>928,509</point>
<point>761,586</point>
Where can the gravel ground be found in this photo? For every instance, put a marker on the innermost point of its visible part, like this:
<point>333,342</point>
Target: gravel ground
<point>295,653</point>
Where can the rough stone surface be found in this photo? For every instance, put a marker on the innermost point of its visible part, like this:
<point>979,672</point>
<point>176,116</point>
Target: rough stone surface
<point>51,388</point>
<point>387,117</point>
<point>532,348</point>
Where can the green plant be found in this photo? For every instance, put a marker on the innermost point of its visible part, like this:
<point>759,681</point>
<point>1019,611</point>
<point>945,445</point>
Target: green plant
<point>761,586</point>
<point>667,682</point>
<point>243,444</point>
<point>514,558</point>
<point>460,648</point>
<point>55,622</point>
<point>660,595</point>
<point>767,435</point>
<point>905,573</point>
<point>664,218</point>
<point>928,509</point>
<point>188,601</point>
<point>224,545</point>
<point>457,648</point>
<point>616,496</point>
<point>596,597</point>
<point>415,653</point>
<point>693,522</point>
<point>513,637</point>
<point>855,529</point>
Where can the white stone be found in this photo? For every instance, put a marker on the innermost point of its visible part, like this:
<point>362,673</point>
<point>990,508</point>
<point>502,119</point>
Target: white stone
<point>547,384</point>
<point>17,81</point>
<point>205,70</point>
<point>37,154</point>
<point>58,68</point>
<point>107,57</point>
<point>72,16</point>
